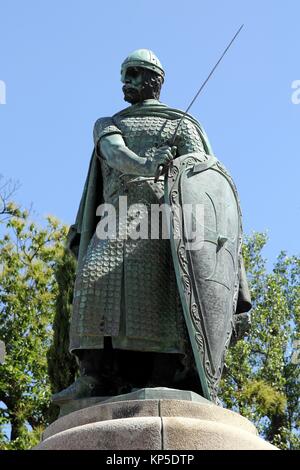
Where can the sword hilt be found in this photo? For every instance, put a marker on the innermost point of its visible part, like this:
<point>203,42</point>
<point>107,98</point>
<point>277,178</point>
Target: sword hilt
<point>161,168</point>
<point>158,173</point>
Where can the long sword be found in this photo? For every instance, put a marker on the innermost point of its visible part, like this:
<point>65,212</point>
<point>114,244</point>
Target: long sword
<point>161,167</point>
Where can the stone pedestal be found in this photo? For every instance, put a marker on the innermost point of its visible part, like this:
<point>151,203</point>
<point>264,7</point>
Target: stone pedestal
<point>152,419</point>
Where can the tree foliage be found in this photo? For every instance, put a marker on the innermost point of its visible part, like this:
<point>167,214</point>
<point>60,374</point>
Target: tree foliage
<point>262,371</point>
<point>28,291</point>
<point>62,366</point>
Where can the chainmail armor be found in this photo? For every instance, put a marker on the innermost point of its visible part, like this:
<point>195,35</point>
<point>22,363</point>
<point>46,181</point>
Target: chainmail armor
<point>127,289</point>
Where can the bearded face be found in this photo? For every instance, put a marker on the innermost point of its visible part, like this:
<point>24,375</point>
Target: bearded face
<point>141,84</point>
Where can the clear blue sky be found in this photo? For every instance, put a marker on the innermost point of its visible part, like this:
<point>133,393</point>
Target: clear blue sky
<point>60,61</point>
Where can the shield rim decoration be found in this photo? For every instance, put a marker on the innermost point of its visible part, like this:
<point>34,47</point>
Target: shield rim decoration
<point>191,308</point>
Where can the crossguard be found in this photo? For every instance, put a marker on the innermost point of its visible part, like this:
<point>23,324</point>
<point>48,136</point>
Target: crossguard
<point>159,172</point>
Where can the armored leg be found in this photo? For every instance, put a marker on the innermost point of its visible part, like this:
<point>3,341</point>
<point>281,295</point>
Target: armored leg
<point>96,376</point>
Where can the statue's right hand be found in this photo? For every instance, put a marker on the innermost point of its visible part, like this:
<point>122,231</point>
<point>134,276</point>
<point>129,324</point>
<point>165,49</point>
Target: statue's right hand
<point>163,155</point>
<point>162,158</point>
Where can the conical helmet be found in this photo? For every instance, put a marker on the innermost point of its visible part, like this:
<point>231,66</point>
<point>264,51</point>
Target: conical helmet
<point>142,58</point>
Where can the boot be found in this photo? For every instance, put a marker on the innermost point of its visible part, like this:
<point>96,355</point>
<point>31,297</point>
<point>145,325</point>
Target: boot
<point>88,383</point>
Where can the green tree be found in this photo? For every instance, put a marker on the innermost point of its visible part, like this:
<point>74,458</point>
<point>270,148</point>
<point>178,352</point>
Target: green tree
<point>28,291</point>
<point>261,379</point>
<point>62,366</point>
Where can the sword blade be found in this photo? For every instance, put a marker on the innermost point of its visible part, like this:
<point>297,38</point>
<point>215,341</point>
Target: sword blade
<point>172,141</point>
<point>204,83</point>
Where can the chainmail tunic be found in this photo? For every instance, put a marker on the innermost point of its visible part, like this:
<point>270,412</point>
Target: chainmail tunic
<point>126,288</point>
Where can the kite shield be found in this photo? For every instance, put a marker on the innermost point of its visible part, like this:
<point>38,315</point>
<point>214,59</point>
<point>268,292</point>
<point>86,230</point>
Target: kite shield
<point>206,238</point>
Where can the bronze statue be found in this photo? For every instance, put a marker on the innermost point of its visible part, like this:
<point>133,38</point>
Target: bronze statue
<point>152,311</point>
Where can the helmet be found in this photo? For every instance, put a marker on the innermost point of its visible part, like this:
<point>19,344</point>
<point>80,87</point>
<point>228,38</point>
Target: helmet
<point>142,58</point>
